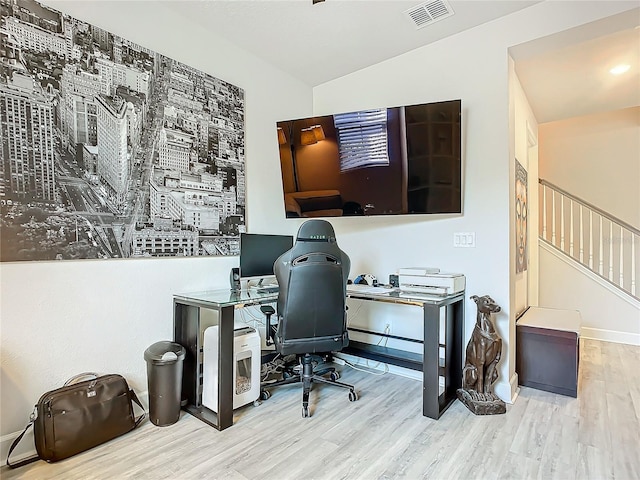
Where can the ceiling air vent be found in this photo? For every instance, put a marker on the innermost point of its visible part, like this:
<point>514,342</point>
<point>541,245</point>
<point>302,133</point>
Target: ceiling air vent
<point>429,12</point>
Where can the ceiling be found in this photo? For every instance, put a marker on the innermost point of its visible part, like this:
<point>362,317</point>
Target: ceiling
<point>321,42</point>
<point>563,75</point>
<point>567,74</point>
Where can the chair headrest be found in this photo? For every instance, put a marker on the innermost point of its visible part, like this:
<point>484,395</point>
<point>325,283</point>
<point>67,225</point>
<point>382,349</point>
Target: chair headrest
<point>316,231</point>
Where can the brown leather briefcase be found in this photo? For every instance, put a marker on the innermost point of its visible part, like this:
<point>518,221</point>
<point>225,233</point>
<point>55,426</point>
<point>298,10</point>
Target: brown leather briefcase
<point>80,416</point>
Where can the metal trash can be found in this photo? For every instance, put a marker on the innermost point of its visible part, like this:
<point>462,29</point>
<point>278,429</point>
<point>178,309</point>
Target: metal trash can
<point>164,377</point>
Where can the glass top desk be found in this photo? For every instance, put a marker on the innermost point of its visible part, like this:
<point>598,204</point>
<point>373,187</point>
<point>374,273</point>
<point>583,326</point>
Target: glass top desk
<point>188,332</point>
<point>442,347</point>
<point>440,362</point>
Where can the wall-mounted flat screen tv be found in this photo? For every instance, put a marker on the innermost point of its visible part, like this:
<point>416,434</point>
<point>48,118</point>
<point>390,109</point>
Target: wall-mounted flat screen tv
<point>386,161</point>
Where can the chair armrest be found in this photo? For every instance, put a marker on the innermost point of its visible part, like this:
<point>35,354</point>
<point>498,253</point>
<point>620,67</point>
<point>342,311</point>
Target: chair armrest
<point>268,310</point>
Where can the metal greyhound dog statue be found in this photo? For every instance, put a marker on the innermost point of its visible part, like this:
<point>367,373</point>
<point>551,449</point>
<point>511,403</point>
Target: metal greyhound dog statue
<point>481,366</point>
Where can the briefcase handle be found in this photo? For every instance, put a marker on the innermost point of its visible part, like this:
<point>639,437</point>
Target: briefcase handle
<point>81,377</point>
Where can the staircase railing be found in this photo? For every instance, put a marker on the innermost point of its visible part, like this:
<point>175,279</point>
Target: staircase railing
<point>600,242</point>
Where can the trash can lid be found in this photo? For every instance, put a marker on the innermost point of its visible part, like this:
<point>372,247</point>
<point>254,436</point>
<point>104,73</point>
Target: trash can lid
<point>164,353</point>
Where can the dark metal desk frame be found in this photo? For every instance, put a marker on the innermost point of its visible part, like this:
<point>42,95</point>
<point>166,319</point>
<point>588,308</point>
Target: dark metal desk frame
<point>187,332</point>
<point>431,363</point>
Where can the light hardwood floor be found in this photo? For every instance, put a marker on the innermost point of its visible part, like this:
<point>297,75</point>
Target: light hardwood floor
<point>384,436</point>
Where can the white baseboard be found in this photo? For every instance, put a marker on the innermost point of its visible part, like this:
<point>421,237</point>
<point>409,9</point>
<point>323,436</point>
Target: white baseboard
<point>507,391</point>
<point>610,336</point>
<point>515,390</point>
<point>25,449</point>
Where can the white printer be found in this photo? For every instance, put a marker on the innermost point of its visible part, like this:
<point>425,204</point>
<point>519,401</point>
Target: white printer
<point>430,281</point>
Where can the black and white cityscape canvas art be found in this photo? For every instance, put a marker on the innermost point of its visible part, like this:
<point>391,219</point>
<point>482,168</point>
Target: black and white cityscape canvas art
<point>111,150</point>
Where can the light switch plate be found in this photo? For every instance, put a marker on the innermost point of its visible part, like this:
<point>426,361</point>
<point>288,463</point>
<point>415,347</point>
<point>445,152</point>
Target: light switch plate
<point>464,239</point>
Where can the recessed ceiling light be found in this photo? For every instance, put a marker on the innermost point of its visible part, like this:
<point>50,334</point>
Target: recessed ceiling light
<point>619,69</point>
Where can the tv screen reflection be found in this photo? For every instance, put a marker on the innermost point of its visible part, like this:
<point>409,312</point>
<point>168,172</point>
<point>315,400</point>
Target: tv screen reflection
<point>389,161</point>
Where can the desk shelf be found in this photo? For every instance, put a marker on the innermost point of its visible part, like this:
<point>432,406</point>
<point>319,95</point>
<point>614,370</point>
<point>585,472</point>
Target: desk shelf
<point>393,356</point>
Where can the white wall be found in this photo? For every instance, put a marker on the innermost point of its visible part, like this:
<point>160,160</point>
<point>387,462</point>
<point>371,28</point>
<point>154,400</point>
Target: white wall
<point>596,158</point>
<point>525,128</point>
<point>382,245</point>
<point>474,67</point>
<point>62,318</point>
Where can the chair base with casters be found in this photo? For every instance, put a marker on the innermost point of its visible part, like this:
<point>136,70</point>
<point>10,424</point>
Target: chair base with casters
<point>307,376</point>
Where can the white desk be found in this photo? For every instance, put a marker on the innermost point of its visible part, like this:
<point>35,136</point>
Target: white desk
<point>188,329</point>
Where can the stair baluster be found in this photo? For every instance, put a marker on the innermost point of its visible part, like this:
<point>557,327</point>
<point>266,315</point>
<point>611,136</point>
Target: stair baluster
<point>612,258</point>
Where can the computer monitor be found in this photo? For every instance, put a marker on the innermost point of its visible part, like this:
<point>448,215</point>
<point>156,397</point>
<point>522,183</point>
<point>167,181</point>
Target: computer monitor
<point>258,253</point>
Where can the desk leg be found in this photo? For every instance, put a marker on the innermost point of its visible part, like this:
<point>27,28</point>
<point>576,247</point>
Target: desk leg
<point>187,333</point>
<point>225,368</point>
<point>457,350</point>
<point>430,367</point>
<point>452,368</point>
<point>186,327</point>
<point>434,404</point>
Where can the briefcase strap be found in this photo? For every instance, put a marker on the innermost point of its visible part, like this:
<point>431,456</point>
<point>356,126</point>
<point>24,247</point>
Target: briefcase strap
<point>27,460</point>
<point>134,397</point>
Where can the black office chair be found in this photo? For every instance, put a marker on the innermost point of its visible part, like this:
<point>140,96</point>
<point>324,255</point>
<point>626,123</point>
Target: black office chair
<point>311,308</point>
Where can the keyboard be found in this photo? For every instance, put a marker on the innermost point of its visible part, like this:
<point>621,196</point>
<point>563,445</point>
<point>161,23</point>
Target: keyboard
<point>268,289</point>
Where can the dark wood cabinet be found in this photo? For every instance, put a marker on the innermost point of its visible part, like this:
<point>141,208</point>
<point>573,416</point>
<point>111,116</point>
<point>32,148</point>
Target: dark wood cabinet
<point>548,350</point>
